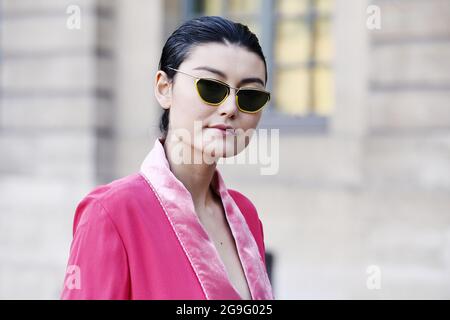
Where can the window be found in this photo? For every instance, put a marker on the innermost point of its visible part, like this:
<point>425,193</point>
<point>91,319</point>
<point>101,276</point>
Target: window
<point>246,12</point>
<point>296,39</point>
<point>303,57</point>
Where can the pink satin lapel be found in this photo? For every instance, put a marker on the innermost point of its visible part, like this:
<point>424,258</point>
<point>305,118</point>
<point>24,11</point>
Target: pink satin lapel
<point>204,258</point>
<point>251,260</point>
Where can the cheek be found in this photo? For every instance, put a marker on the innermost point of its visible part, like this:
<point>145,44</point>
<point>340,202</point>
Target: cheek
<point>188,115</point>
<point>186,109</point>
<point>249,121</point>
<point>247,129</point>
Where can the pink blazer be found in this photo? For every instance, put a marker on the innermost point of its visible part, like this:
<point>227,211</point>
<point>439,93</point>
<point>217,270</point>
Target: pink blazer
<point>139,238</point>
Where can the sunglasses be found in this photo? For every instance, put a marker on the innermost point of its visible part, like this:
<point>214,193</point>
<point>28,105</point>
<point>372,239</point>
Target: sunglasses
<point>214,92</point>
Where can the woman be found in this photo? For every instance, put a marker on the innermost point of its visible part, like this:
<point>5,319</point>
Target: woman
<point>174,230</point>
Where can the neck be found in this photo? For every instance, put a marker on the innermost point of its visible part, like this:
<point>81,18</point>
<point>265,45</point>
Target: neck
<point>196,177</point>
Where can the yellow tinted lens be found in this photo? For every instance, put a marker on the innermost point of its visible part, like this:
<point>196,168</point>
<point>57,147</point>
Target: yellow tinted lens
<point>211,91</point>
<point>251,100</point>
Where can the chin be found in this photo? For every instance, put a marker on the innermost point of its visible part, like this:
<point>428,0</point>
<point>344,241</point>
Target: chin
<point>226,153</point>
<point>220,149</point>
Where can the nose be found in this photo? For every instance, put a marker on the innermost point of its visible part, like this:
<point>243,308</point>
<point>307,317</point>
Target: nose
<point>229,108</point>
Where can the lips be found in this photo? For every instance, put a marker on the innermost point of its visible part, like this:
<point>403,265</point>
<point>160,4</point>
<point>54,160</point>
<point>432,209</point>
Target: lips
<point>224,129</point>
<point>221,126</point>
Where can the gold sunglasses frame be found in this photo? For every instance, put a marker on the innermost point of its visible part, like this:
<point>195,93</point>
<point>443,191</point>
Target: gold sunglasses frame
<point>197,79</point>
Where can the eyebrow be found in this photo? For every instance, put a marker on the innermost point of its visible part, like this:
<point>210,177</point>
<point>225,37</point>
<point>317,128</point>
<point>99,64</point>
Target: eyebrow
<point>221,74</point>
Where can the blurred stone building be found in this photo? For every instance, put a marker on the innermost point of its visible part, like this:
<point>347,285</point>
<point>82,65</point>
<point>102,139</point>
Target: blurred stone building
<point>361,100</point>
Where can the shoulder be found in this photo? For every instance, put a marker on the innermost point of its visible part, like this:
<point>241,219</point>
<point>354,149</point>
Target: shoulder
<point>251,216</point>
<point>245,205</point>
<point>117,189</point>
<point>108,200</point>
<point>249,212</point>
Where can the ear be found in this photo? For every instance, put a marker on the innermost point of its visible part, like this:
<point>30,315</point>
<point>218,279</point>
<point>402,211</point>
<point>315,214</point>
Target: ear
<point>163,89</point>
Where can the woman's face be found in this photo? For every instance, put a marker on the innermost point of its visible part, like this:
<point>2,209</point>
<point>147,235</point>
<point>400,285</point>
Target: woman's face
<point>230,64</point>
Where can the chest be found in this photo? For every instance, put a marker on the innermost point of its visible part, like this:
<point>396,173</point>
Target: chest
<point>217,227</point>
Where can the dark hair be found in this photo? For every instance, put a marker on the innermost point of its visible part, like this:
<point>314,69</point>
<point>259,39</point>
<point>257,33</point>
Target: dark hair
<point>203,30</point>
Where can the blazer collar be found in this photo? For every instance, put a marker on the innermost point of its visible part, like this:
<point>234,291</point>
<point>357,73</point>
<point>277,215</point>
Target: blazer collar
<point>178,206</point>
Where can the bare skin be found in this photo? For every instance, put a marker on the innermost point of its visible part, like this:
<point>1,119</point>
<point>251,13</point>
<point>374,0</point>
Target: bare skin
<point>215,223</point>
